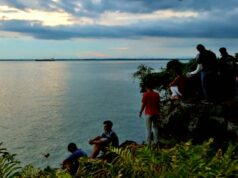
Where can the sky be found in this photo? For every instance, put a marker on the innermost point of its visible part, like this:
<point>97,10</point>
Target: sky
<point>82,29</point>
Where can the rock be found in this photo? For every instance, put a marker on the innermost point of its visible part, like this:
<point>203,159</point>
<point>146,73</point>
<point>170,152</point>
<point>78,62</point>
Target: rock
<point>199,121</point>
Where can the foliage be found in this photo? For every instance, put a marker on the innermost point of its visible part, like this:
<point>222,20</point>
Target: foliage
<point>190,66</point>
<point>95,168</point>
<point>145,161</point>
<point>162,79</point>
<point>182,160</point>
<point>30,171</point>
<point>236,55</point>
<point>9,167</point>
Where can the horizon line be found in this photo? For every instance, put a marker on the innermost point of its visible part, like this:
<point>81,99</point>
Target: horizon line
<point>94,59</point>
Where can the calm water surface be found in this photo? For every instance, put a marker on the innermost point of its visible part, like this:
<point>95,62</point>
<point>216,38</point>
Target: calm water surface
<point>46,105</point>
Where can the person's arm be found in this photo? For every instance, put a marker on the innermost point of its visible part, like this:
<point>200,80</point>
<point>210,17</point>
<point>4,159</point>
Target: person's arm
<point>174,82</point>
<point>158,104</point>
<point>99,141</point>
<point>198,69</point>
<point>95,140</point>
<point>142,109</point>
<point>142,105</point>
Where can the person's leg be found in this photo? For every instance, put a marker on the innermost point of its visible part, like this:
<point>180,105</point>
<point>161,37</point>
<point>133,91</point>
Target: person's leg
<point>231,84</point>
<point>211,86</point>
<point>148,129</point>
<point>203,84</point>
<point>156,129</point>
<point>175,92</point>
<point>95,151</point>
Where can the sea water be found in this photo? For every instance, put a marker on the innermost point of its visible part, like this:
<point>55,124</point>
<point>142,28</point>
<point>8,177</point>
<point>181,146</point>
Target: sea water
<point>46,105</point>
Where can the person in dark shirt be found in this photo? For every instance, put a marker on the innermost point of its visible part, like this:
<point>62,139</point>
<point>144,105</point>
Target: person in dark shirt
<point>71,163</point>
<point>100,143</point>
<point>207,66</point>
<point>227,74</point>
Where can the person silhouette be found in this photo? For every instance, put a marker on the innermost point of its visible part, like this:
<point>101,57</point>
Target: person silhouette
<point>207,66</point>
<point>227,74</point>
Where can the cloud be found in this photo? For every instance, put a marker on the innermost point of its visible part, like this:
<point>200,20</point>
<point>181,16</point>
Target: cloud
<point>148,6</point>
<point>14,3</point>
<point>47,18</point>
<point>202,27</point>
<point>95,7</point>
<point>117,18</point>
<point>63,19</point>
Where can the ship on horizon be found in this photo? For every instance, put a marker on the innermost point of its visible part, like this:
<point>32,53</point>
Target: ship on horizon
<point>51,59</point>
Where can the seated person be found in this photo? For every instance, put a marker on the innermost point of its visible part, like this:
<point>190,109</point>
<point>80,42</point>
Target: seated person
<point>72,162</point>
<point>177,85</point>
<point>100,143</point>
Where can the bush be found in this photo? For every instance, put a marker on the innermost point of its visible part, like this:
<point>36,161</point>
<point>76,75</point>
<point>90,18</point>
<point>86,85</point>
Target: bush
<point>182,160</point>
<point>142,161</point>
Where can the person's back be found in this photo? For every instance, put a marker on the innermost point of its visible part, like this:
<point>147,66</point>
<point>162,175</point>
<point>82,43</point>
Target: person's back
<point>227,64</point>
<point>227,74</point>
<point>112,138</point>
<point>71,163</point>
<point>151,100</point>
<point>208,60</point>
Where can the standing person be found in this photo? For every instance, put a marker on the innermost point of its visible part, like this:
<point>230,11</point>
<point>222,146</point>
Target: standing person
<point>207,65</point>
<point>227,71</point>
<point>71,163</point>
<point>100,143</point>
<point>150,103</point>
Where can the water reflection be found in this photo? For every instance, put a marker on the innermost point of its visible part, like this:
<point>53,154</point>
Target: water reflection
<point>46,105</point>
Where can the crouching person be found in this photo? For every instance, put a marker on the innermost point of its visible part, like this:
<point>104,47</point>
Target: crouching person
<point>100,143</point>
<point>71,163</point>
<point>177,85</point>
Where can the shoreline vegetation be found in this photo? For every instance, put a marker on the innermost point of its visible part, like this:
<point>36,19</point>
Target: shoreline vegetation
<point>196,140</point>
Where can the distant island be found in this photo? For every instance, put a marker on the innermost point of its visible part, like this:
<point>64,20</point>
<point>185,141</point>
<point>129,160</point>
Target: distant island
<point>52,59</point>
<point>97,59</point>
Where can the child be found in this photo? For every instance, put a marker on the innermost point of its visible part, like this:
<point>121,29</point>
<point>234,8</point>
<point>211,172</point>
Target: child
<point>177,85</point>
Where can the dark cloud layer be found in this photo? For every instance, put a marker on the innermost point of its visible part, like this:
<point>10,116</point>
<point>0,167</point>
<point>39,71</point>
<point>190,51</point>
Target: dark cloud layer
<point>217,19</point>
<point>135,6</point>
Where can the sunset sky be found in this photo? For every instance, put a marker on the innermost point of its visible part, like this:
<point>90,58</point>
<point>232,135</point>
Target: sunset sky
<point>69,29</point>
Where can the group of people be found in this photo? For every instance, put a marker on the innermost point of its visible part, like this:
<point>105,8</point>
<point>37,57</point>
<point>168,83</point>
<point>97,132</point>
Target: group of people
<point>100,143</point>
<point>217,77</point>
<point>210,70</point>
<point>150,104</point>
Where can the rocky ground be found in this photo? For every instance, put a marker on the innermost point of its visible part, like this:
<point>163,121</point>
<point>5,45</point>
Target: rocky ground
<point>198,120</point>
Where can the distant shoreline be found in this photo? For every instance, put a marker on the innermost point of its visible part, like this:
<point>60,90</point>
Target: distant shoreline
<point>113,59</point>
